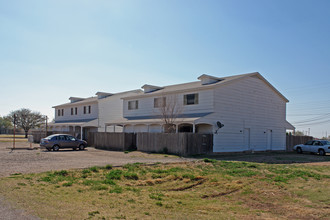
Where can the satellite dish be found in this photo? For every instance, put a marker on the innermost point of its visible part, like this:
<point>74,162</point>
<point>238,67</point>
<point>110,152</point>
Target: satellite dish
<point>219,126</point>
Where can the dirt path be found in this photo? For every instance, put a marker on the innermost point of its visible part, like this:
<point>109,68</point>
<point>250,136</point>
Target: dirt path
<point>34,161</point>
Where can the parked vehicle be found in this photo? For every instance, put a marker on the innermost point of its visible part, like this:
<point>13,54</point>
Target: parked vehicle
<point>57,141</point>
<point>315,146</point>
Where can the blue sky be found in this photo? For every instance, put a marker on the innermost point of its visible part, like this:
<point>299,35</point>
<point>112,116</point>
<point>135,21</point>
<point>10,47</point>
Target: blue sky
<point>51,50</point>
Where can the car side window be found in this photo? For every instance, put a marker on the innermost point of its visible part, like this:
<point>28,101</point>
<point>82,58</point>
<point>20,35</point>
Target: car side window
<point>309,143</point>
<point>62,138</point>
<point>70,138</point>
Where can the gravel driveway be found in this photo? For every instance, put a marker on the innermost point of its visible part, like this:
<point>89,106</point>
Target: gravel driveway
<point>22,160</point>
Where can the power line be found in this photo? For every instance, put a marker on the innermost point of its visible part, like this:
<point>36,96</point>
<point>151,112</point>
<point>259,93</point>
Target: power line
<point>312,123</point>
<point>322,117</point>
<point>306,114</point>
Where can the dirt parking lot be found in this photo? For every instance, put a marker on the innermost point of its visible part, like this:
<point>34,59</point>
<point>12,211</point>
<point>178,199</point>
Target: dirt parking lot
<point>23,160</point>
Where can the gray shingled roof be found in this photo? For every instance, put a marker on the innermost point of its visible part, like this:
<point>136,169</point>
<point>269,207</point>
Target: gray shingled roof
<point>197,85</point>
<point>192,86</point>
<point>86,100</point>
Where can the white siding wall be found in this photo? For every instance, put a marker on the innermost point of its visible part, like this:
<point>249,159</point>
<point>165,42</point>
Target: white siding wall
<point>248,103</point>
<point>146,104</point>
<point>80,114</point>
<point>111,109</point>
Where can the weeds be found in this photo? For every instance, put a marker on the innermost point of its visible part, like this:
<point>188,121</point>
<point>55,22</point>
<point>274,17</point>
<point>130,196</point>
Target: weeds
<point>94,169</point>
<point>116,189</point>
<point>156,196</point>
<point>114,175</point>
<point>131,176</point>
<point>195,186</point>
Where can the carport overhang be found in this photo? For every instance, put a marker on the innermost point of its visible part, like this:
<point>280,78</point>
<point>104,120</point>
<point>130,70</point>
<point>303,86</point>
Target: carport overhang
<point>158,121</point>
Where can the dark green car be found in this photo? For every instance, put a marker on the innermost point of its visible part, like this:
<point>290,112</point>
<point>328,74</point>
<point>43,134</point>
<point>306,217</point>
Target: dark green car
<point>56,141</point>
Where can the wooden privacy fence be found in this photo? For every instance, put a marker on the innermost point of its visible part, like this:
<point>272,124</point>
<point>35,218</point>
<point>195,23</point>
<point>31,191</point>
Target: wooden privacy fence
<point>114,141</point>
<point>291,141</point>
<point>178,143</point>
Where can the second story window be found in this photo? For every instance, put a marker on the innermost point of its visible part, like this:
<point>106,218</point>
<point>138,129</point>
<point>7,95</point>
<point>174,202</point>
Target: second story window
<point>62,112</point>
<point>75,110</point>
<point>71,111</point>
<point>159,102</point>
<point>191,99</point>
<point>59,112</point>
<point>84,109</point>
<point>89,109</point>
<point>133,105</point>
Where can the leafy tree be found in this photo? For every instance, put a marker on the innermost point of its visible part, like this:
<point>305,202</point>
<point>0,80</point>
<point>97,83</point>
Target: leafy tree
<point>5,123</point>
<point>299,133</point>
<point>26,119</point>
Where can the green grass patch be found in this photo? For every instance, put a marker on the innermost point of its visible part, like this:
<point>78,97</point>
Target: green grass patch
<point>197,190</point>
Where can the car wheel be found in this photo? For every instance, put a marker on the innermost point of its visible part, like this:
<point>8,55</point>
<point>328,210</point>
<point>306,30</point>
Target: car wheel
<point>56,148</point>
<point>322,152</point>
<point>81,147</point>
<point>299,151</point>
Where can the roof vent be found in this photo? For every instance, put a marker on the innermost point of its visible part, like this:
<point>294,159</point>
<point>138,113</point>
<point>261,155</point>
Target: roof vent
<point>206,79</point>
<point>150,88</point>
<point>75,99</point>
<point>102,95</point>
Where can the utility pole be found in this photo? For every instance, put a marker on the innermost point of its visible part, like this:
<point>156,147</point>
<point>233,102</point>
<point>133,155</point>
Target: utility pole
<point>46,125</point>
<point>309,132</point>
<point>14,131</point>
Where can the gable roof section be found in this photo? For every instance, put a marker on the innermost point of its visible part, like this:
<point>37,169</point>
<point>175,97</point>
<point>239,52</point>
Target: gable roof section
<point>83,101</point>
<point>197,85</point>
<point>95,98</point>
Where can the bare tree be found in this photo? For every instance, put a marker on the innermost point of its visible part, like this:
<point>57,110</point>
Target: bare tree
<point>26,119</point>
<point>170,110</point>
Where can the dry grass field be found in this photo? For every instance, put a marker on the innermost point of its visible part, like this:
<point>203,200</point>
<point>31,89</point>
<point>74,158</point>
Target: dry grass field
<point>203,189</point>
<point>9,138</point>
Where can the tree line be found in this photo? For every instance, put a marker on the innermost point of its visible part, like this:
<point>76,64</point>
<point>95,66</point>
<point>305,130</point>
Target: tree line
<point>23,118</point>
